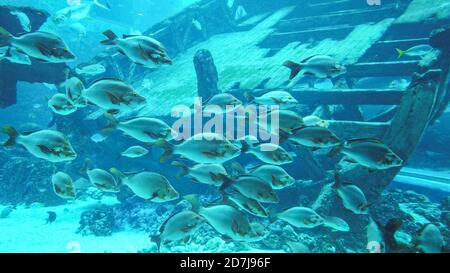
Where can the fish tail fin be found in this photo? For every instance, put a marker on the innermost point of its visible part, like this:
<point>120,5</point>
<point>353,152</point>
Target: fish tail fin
<point>184,169</point>
<point>194,201</point>
<point>294,67</point>
<point>12,133</point>
<point>112,125</point>
<point>249,96</point>
<point>104,5</point>
<point>335,151</point>
<point>112,37</point>
<point>5,37</point>
<point>237,167</point>
<point>400,52</point>
<point>167,147</point>
<point>245,146</point>
<point>227,182</point>
<point>157,240</point>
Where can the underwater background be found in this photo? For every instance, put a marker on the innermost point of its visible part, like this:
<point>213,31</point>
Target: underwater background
<point>233,47</point>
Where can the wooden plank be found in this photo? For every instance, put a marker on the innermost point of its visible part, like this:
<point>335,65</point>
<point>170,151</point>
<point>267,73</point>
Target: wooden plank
<point>358,129</point>
<point>382,69</point>
<point>349,96</point>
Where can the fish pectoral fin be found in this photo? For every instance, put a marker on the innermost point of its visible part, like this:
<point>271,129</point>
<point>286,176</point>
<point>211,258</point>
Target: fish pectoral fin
<point>349,160</point>
<point>114,99</point>
<point>121,51</point>
<point>153,135</point>
<point>113,111</point>
<point>45,149</point>
<point>45,51</point>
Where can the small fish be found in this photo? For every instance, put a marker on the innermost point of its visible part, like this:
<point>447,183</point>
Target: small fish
<point>252,206</point>
<point>269,153</point>
<point>197,25</point>
<point>280,98</point>
<point>315,137</point>
<point>207,148</point>
<point>429,239</point>
<point>45,144</point>
<point>43,46</point>
<point>61,105</point>
<point>415,51</point>
<point>113,95</point>
<point>141,50</point>
<point>150,186</point>
<point>103,180</point>
<point>51,217</point>
<point>370,153</point>
<point>315,121</point>
<point>98,138</point>
<point>225,101</point>
<point>148,130</point>
<point>301,217</point>
<point>401,84</point>
<point>253,188</point>
<point>91,70</point>
<point>15,56</point>
<point>288,121</point>
<point>73,14</point>
<point>178,227</point>
<point>63,186</point>
<point>275,176</point>
<point>352,196</point>
<point>227,220</point>
<point>336,223</point>
<point>23,19</point>
<point>210,174</point>
<point>135,152</point>
<point>320,66</point>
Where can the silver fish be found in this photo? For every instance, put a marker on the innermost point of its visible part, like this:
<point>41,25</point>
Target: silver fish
<point>43,46</point>
<point>46,144</point>
<point>63,186</point>
<point>103,180</point>
<point>141,50</point>
<point>315,137</point>
<point>210,174</point>
<point>415,51</point>
<point>301,217</point>
<point>254,188</point>
<point>135,152</point>
<point>23,19</point>
<point>15,56</point>
<point>91,70</point>
<point>61,105</point>
<point>320,66</point>
<point>208,148</point>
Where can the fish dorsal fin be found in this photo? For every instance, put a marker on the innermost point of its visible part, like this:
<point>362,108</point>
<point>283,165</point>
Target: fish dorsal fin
<point>125,36</point>
<point>309,58</point>
<point>369,139</point>
<point>253,168</point>
<point>26,133</point>
<point>104,79</point>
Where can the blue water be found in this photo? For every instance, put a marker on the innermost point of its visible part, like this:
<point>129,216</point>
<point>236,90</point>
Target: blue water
<point>249,42</point>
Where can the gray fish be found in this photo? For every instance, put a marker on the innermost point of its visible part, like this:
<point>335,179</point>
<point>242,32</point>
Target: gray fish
<point>336,223</point>
<point>227,220</point>
<point>113,95</point>
<point>352,197</point>
<point>135,152</point>
<point>269,153</point>
<point>51,217</point>
<point>370,153</point>
<point>103,180</point>
<point>208,148</point>
<point>61,105</point>
<point>23,19</point>
<point>74,89</point>
<point>63,186</point>
<point>280,98</point>
<point>148,130</point>
<point>91,70</point>
<point>210,174</point>
<point>301,217</point>
<point>273,175</point>
<point>251,206</point>
<point>315,137</point>
<point>150,186</point>
<point>178,227</point>
<point>320,66</point>
<point>415,51</point>
<point>46,144</point>
<point>140,49</point>
<point>315,121</point>
<point>43,46</point>
<point>253,188</point>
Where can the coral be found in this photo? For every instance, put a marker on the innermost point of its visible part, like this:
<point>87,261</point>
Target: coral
<point>98,222</point>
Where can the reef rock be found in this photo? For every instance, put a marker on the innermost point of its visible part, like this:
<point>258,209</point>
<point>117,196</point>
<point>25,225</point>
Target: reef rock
<point>98,222</point>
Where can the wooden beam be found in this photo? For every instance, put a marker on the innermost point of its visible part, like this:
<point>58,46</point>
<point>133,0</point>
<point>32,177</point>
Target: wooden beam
<point>356,129</point>
<point>349,96</point>
<point>382,69</point>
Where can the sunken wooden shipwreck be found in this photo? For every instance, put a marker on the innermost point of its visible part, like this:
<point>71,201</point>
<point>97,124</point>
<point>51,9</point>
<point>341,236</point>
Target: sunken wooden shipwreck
<point>232,53</point>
